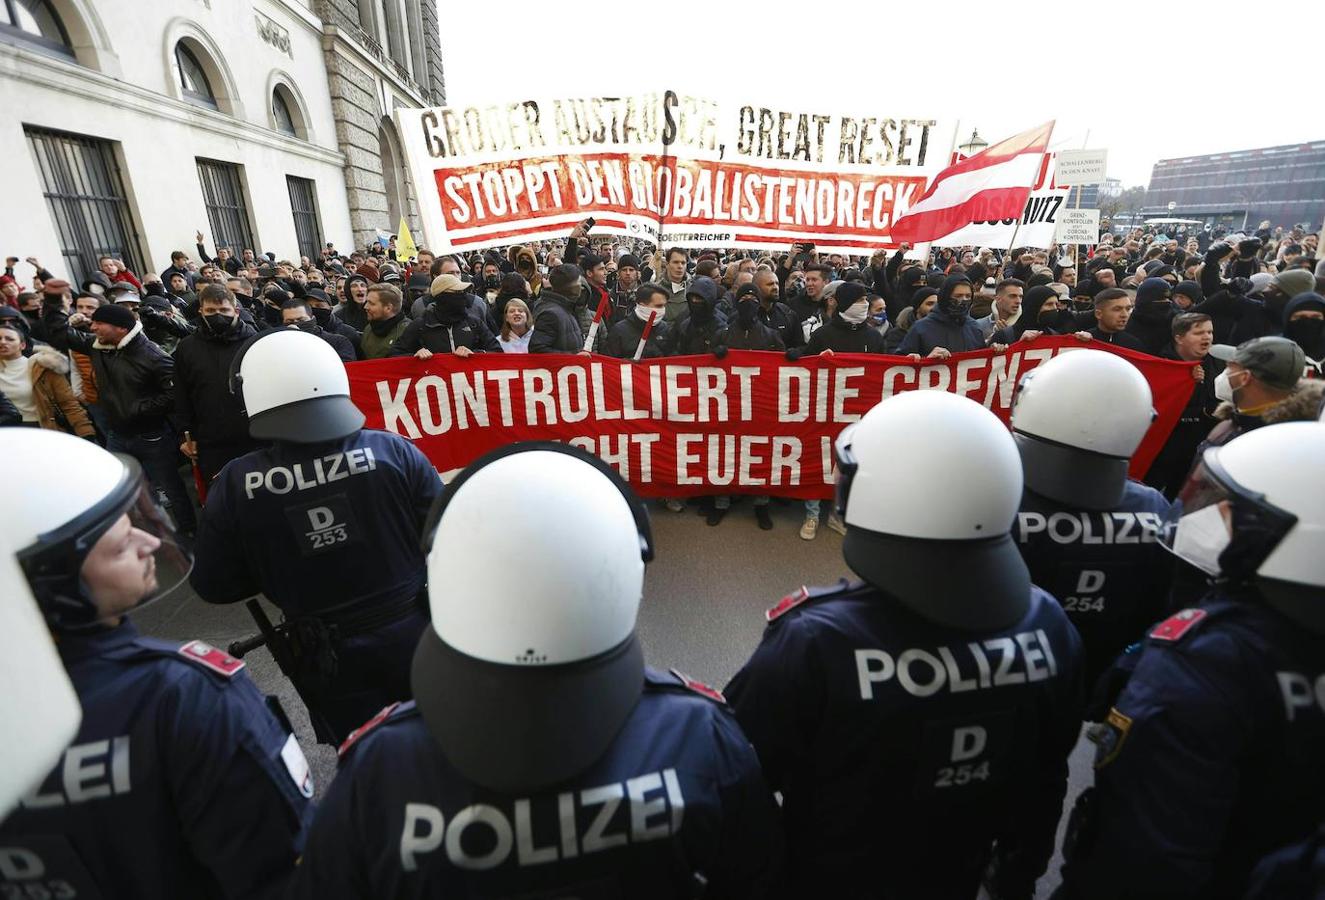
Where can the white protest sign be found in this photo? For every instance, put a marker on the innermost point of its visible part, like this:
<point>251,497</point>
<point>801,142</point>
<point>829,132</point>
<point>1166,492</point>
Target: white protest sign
<point>672,168</point>
<point>1079,226</point>
<point>1081,167</point>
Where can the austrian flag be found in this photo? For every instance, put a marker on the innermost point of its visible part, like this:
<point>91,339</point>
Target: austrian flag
<point>993,184</point>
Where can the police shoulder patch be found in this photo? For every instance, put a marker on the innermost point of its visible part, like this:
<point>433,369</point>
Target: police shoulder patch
<point>1172,629</point>
<point>699,687</point>
<point>787,604</point>
<point>366,727</point>
<point>1108,737</point>
<point>207,656</point>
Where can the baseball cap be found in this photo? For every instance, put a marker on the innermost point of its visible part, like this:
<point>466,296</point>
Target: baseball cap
<point>1276,361</point>
<point>446,284</point>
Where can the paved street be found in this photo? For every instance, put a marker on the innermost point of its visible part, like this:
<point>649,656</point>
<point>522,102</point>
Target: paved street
<point>703,611</point>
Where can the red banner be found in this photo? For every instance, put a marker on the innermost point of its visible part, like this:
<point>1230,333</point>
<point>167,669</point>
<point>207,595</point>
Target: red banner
<point>749,423</point>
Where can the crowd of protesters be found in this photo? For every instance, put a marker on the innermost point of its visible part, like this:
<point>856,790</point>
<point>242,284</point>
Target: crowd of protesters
<point>140,362</point>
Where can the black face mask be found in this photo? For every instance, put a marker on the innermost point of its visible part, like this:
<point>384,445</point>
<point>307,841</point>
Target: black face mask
<point>321,316</point>
<point>452,305</point>
<point>1047,318</point>
<point>700,312</point>
<point>1309,334</point>
<point>219,325</point>
<point>492,282</point>
<point>746,311</point>
<point>956,309</point>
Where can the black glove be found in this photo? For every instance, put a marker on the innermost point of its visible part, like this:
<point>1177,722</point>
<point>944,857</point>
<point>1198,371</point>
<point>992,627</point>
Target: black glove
<point>1239,286</point>
<point>1217,252</point>
<point>1249,248</point>
<point>719,351</point>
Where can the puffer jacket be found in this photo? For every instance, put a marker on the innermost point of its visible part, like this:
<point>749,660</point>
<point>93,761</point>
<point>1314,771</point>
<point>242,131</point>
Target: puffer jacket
<point>556,326</point>
<point>433,333</point>
<point>1301,405</point>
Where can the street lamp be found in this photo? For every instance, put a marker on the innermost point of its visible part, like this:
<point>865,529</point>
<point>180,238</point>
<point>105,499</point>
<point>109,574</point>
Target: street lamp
<point>974,144</point>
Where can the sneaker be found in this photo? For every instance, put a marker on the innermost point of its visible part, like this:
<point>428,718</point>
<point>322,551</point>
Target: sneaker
<point>835,523</point>
<point>716,515</point>
<point>810,528</point>
<point>674,505</point>
<point>763,518</point>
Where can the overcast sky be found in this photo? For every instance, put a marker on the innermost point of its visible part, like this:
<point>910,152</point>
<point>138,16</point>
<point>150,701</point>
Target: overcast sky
<point>1147,81</point>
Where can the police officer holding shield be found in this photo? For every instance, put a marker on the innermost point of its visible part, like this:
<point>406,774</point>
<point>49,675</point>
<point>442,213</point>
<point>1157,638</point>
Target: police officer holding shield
<point>180,781</point>
<point>326,523</point>
<point>541,757</point>
<point>918,722</point>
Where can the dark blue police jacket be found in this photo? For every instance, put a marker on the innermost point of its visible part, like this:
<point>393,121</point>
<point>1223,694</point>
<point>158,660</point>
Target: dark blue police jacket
<point>1107,568</point>
<point>675,808</point>
<point>904,749</point>
<point>1211,757</point>
<point>180,783</point>
<point>316,526</point>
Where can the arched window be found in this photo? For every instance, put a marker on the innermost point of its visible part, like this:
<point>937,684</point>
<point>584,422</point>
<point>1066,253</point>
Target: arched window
<point>280,112</point>
<point>34,22</point>
<point>192,78</point>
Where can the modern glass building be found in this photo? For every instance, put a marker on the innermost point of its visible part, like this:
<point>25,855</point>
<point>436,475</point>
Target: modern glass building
<point>1283,184</point>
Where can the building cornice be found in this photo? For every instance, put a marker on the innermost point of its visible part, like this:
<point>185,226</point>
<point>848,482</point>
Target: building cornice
<point>40,71</point>
<point>338,38</point>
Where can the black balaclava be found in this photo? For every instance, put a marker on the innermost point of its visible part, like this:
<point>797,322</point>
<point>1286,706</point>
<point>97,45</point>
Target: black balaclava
<point>953,309</point>
<point>747,306</point>
<point>1152,303</point>
<point>1033,314</point>
<point>705,290</point>
<point>1309,334</point>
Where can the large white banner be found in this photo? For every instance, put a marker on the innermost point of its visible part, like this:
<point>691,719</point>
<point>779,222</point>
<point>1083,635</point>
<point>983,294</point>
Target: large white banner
<point>1039,221</point>
<point>675,169</point>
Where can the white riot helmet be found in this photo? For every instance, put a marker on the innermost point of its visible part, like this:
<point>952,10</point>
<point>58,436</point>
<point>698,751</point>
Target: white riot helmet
<point>925,523</point>
<point>56,522</point>
<point>37,703</point>
<point>531,665</point>
<point>294,388</point>
<point>1077,419</point>
<point>1254,510</point>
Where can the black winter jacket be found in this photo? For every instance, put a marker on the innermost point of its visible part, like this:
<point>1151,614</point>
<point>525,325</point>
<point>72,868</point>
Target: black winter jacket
<point>432,333</point>
<point>204,404</point>
<point>556,325</point>
<point>624,336</point>
<point>135,378</point>
<point>841,336</point>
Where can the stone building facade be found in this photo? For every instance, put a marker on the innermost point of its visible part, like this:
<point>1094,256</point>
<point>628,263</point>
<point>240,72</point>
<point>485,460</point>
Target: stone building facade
<point>380,55</point>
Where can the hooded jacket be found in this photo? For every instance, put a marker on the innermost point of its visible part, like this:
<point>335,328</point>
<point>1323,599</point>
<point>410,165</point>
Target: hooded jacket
<point>556,326</point>
<point>1031,305</point>
<point>1308,333</point>
<point>349,312</point>
<point>135,378</point>
<point>955,331</point>
<point>1301,405</point>
<point>204,405</point>
<point>1152,319</point>
<point>697,331</point>
<point>441,333</point>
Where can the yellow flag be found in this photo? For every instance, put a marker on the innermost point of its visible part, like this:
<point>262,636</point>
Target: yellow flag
<point>405,248</point>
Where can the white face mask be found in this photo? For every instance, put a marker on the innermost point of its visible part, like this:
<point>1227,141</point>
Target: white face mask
<point>1224,388</point>
<point>644,312</point>
<point>856,314</point>
<point>1201,537</point>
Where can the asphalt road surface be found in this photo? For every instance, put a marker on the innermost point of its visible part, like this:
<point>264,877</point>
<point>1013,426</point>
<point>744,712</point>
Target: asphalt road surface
<point>704,600</point>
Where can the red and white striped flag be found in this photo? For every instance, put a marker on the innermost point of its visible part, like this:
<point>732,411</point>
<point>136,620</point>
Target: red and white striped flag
<point>993,184</point>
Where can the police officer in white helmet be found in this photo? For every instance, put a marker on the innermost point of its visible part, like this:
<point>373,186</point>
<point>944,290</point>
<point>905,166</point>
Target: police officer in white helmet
<point>1210,757</point>
<point>326,523</point>
<point>180,781</point>
<point>541,757</point>
<point>1089,534</point>
<point>918,722</point>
